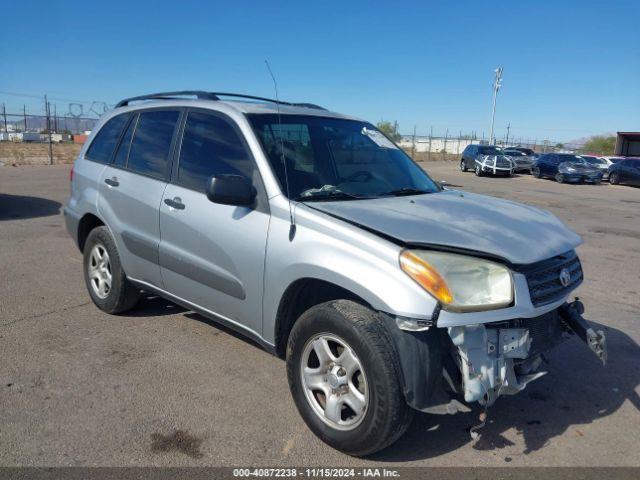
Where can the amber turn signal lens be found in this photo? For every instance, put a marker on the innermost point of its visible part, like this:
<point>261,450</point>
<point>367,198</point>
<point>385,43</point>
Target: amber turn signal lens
<point>426,276</point>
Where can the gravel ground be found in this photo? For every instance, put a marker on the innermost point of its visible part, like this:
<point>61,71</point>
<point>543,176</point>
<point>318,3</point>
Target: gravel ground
<point>163,386</point>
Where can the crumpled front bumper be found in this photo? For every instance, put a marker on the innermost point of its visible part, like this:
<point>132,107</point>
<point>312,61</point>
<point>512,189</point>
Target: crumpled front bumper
<point>502,358</point>
<point>582,177</point>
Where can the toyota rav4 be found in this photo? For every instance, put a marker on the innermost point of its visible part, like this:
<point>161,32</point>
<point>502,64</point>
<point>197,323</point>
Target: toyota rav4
<point>313,234</point>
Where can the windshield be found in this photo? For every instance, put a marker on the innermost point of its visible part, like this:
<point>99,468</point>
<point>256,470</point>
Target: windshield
<point>489,151</point>
<point>336,159</point>
<point>515,153</point>
<point>593,160</point>
<point>526,151</point>
<point>572,159</point>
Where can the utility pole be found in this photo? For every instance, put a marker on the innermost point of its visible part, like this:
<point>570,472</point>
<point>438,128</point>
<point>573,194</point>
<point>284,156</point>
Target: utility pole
<point>413,147</point>
<point>24,114</point>
<point>4,115</point>
<point>496,86</point>
<point>444,150</point>
<point>48,113</point>
<point>508,128</point>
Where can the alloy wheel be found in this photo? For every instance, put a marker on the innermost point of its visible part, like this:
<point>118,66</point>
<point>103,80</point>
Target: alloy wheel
<point>99,270</point>
<point>334,381</point>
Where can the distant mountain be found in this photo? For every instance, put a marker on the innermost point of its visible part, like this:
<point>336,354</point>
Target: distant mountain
<point>583,140</point>
<point>38,123</point>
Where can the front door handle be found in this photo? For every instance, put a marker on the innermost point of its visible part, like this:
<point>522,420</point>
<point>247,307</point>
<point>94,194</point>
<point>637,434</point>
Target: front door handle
<point>112,182</point>
<point>176,203</point>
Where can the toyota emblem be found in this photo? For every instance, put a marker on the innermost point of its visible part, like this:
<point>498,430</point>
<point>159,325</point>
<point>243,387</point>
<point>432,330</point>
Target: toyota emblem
<point>565,277</point>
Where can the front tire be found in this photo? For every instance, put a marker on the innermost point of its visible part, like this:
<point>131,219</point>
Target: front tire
<point>559,178</point>
<point>478,171</point>
<point>535,171</point>
<point>344,375</point>
<point>103,274</point>
<point>614,178</point>
<point>463,166</point>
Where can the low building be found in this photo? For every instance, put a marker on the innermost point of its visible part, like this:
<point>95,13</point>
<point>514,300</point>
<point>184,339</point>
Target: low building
<point>628,144</point>
<point>31,137</point>
<point>80,138</point>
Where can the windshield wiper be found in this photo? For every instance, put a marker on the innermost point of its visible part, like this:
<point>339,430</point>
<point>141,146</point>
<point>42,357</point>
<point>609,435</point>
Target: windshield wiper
<point>405,191</point>
<point>326,195</point>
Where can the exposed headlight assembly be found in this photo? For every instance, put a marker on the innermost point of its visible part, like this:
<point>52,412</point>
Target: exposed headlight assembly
<point>459,282</point>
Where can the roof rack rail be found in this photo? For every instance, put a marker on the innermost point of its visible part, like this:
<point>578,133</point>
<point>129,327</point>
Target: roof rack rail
<point>199,94</point>
<point>202,95</point>
<point>270,100</point>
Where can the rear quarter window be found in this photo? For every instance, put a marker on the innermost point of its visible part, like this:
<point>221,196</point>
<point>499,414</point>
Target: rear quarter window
<point>102,147</point>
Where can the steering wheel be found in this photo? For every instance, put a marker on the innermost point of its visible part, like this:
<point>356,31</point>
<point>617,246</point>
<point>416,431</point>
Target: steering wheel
<point>360,176</point>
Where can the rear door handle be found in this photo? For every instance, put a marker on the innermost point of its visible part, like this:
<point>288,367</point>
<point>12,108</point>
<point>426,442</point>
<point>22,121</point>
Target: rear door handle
<point>112,182</point>
<point>176,203</point>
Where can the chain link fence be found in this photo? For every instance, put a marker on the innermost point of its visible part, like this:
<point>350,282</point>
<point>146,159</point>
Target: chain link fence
<point>446,147</point>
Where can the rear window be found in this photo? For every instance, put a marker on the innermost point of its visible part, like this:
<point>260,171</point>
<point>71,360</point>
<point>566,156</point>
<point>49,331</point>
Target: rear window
<point>526,151</point>
<point>489,151</point>
<point>151,144</point>
<point>106,139</point>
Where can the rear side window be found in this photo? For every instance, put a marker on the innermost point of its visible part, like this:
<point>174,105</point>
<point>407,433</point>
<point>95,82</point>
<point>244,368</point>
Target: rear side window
<point>210,146</point>
<point>106,139</point>
<point>120,160</point>
<point>151,144</point>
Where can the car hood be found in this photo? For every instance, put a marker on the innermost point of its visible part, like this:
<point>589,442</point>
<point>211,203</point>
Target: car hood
<point>452,219</point>
<point>580,166</point>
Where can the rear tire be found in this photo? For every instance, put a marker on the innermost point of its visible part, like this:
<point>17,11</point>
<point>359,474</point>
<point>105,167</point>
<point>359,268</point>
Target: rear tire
<point>614,178</point>
<point>463,166</point>
<point>367,344</point>
<point>103,274</point>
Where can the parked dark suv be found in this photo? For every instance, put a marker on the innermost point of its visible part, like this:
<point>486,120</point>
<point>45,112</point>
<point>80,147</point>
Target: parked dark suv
<point>485,159</point>
<point>566,167</point>
<point>626,171</point>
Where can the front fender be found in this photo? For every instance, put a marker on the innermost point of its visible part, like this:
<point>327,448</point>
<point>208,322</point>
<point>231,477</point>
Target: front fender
<point>329,249</point>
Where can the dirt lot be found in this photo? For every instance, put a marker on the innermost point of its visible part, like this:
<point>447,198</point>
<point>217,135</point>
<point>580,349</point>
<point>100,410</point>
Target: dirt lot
<point>163,386</point>
<point>18,153</point>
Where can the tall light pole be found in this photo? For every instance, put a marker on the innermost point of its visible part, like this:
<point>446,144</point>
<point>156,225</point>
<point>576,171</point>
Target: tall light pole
<point>496,86</point>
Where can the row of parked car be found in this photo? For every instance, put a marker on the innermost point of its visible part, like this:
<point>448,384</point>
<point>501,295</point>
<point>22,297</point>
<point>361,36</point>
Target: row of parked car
<point>562,167</point>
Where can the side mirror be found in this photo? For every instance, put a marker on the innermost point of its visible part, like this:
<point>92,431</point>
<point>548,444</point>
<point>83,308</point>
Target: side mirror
<point>231,190</point>
<point>444,185</point>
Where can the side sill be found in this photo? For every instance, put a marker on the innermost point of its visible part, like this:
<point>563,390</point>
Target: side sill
<point>222,320</point>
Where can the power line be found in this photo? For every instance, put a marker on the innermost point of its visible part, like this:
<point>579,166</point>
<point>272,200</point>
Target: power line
<point>39,97</point>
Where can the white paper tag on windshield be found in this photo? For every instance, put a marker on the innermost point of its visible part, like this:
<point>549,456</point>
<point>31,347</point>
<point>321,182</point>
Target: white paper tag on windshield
<point>378,138</point>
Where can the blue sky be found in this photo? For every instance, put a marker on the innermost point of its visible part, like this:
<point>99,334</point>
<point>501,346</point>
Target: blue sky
<point>570,68</point>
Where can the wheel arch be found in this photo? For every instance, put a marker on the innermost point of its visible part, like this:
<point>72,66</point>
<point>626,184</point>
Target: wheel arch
<point>301,295</point>
<point>88,222</point>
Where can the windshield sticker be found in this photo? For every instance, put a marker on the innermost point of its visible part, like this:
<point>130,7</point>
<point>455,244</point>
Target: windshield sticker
<point>378,138</point>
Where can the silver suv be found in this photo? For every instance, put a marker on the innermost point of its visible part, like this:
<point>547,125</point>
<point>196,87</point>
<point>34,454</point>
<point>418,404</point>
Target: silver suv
<point>316,236</point>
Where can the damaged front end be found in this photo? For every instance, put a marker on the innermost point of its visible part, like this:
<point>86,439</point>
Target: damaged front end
<point>501,358</point>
